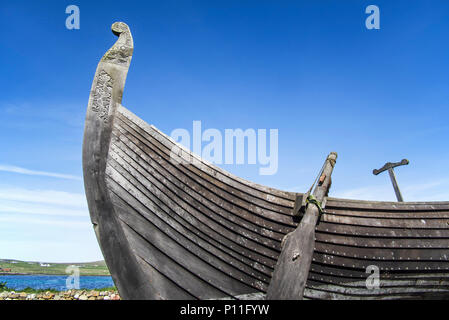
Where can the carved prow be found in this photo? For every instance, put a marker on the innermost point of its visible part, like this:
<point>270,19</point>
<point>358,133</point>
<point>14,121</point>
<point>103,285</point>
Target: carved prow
<point>114,65</point>
<point>121,52</point>
<point>105,97</point>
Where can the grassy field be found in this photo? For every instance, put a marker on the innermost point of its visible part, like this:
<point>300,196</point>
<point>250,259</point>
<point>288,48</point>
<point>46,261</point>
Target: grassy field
<point>97,268</point>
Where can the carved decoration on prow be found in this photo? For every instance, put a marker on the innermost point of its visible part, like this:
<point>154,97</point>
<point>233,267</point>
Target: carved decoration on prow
<point>121,52</point>
<point>102,95</point>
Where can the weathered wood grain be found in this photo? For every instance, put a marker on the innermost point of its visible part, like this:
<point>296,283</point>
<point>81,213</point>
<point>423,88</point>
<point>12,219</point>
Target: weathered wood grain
<point>433,223</point>
<point>149,210</point>
<point>205,184</point>
<point>385,243</point>
<point>176,250</point>
<point>106,95</point>
<point>281,200</point>
<point>195,231</point>
<point>190,191</point>
<point>254,189</point>
<point>238,235</point>
<point>196,222</point>
<point>292,269</point>
<point>392,215</point>
<point>390,206</point>
<point>375,232</point>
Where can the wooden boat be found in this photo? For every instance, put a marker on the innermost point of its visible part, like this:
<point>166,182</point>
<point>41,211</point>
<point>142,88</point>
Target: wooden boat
<point>194,231</point>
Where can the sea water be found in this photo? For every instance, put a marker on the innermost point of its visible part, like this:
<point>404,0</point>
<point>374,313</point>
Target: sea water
<point>19,282</point>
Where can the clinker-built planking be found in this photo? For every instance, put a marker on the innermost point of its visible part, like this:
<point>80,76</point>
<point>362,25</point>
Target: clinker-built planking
<point>176,230</point>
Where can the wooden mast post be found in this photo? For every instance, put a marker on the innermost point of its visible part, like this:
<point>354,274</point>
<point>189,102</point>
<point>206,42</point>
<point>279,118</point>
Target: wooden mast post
<point>292,268</point>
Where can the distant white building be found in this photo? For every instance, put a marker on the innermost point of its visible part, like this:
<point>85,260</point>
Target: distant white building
<point>44,264</point>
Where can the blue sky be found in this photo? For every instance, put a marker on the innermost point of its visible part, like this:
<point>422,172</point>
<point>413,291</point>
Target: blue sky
<point>308,68</point>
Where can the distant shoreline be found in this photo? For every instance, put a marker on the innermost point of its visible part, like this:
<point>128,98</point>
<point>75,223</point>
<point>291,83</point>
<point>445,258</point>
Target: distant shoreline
<point>23,268</point>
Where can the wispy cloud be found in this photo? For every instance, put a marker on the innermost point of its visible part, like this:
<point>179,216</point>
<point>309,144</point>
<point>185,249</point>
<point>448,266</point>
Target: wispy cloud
<point>14,169</point>
<point>426,191</point>
<point>42,202</point>
<point>45,225</point>
<point>44,196</point>
<point>373,193</point>
<point>86,225</point>
<point>26,208</point>
<point>37,111</point>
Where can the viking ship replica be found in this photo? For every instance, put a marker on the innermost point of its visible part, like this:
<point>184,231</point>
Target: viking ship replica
<point>190,230</point>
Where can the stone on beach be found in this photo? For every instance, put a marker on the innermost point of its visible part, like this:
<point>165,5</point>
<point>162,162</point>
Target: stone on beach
<point>63,295</point>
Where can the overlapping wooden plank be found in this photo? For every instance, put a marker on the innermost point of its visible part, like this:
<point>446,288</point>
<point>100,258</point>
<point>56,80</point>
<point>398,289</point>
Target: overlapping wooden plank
<point>385,265</point>
<point>200,224</point>
<point>388,214</point>
<point>389,206</point>
<point>373,232</point>
<point>402,254</point>
<point>315,294</point>
<point>263,199</point>
<point>175,273</point>
<point>145,142</point>
<point>339,272</point>
<point>232,232</point>
<point>152,228</point>
<point>224,198</point>
<point>383,281</point>
<point>360,292</point>
<point>379,242</point>
<point>189,225</point>
<point>191,192</point>
<point>388,223</point>
<point>186,255</point>
<point>271,194</point>
<point>164,288</point>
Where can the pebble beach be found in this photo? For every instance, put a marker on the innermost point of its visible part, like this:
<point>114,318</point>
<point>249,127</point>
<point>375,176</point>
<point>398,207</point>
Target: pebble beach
<point>63,295</point>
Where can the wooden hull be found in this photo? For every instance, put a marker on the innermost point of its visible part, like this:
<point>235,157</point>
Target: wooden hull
<point>171,229</point>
